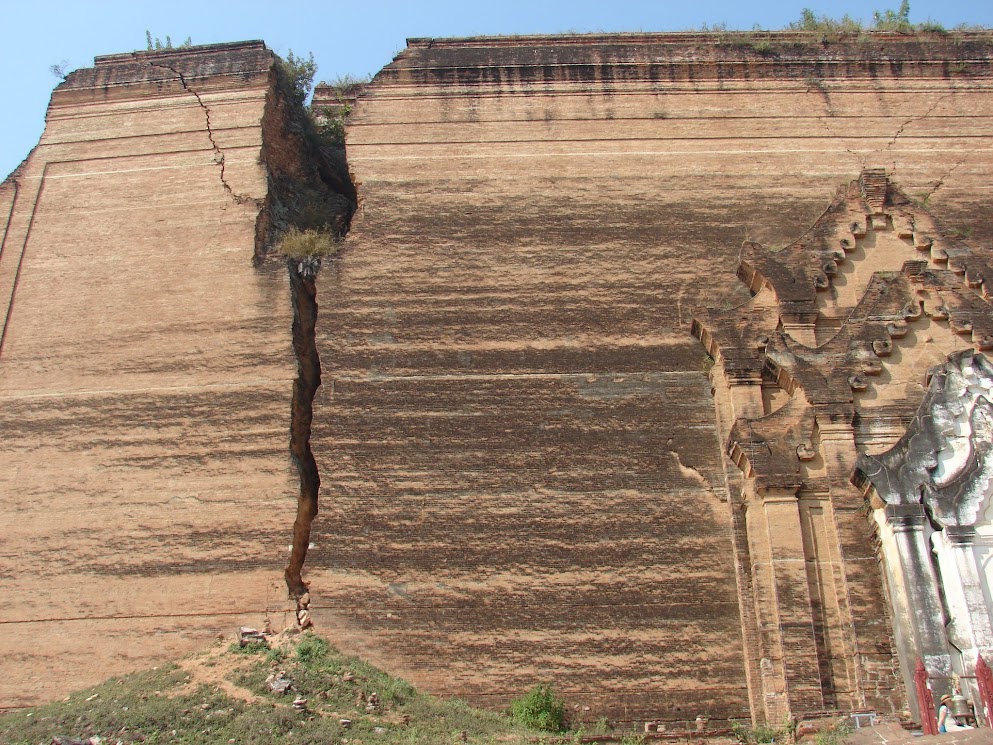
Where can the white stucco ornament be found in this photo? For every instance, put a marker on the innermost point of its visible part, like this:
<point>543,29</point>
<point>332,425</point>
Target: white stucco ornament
<point>934,526</point>
<point>945,459</point>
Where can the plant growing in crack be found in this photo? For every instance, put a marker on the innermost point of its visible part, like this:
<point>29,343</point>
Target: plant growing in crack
<point>329,121</point>
<point>308,244</point>
<point>330,125</point>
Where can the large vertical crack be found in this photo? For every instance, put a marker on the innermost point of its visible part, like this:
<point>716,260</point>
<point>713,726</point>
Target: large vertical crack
<point>310,190</point>
<point>303,297</point>
<point>303,293</point>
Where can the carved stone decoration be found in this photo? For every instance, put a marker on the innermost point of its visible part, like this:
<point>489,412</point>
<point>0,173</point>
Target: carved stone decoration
<point>825,362</point>
<point>939,471</point>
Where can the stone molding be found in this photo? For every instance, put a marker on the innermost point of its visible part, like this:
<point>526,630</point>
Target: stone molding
<point>781,336</point>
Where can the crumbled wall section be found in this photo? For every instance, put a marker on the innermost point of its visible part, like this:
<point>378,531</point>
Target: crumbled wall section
<point>146,373</point>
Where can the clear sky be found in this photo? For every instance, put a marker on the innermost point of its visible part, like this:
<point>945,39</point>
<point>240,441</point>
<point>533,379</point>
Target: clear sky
<point>355,37</point>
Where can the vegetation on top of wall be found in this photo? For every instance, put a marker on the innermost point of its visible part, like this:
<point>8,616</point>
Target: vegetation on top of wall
<point>298,73</point>
<point>60,70</point>
<point>833,29</point>
<point>154,44</point>
<point>346,84</point>
<point>810,21</point>
<point>882,20</point>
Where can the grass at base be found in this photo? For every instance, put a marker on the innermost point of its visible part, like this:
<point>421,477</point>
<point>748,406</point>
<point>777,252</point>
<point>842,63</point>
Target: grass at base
<point>165,705</point>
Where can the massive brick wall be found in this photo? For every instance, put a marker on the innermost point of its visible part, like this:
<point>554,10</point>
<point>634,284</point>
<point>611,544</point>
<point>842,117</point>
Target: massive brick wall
<point>145,373</point>
<point>522,475</point>
<point>521,456</point>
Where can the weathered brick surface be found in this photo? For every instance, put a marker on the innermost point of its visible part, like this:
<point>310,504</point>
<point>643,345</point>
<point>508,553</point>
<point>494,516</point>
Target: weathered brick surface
<point>523,468</point>
<point>506,346</point>
<point>145,374</point>
<point>845,322</point>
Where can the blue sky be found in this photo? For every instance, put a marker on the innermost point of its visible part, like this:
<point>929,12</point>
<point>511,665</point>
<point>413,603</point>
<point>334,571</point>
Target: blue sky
<point>355,37</point>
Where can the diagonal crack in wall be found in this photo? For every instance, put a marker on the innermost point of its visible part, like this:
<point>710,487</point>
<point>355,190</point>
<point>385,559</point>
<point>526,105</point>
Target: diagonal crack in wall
<point>913,119</point>
<point>218,153</point>
<point>820,86</point>
<point>941,181</point>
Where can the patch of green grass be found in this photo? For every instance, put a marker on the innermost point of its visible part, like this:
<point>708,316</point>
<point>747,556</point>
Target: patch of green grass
<point>145,705</point>
<point>836,735</point>
<point>760,734</point>
<point>312,650</point>
<point>162,706</point>
<point>317,670</point>
<point>764,733</point>
<point>251,647</point>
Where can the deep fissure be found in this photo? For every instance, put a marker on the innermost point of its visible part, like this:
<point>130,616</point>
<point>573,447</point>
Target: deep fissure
<point>310,189</point>
<point>315,172</point>
<point>303,295</point>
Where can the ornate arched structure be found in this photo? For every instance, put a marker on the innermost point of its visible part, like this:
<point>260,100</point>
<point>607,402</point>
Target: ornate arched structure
<point>820,373</point>
<point>931,498</point>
